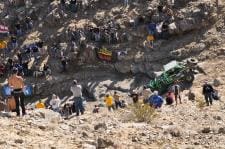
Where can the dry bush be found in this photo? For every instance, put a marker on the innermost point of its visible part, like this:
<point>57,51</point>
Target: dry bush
<point>200,103</point>
<point>143,112</point>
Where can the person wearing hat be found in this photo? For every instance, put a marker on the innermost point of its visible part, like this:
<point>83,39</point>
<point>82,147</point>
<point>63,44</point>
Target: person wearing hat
<point>78,99</point>
<point>207,91</point>
<point>17,84</point>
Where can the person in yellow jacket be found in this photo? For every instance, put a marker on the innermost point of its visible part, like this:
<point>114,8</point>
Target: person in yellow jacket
<point>150,40</point>
<point>109,102</point>
<point>40,105</point>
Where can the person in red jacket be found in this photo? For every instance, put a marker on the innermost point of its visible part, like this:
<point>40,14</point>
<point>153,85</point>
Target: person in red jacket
<point>169,98</point>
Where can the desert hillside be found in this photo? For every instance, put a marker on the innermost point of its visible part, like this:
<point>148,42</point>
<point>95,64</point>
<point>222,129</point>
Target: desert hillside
<point>105,45</point>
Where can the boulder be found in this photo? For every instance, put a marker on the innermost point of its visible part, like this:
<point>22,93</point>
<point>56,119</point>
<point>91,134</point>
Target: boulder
<point>123,67</point>
<point>100,126</point>
<point>19,141</point>
<point>173,28</point>
<point>99,17</point>
<point>206,130</point>
<point>217,82</point>
<point>173,131</point>
<point>104,143</point>
<point>48,115</point>
<point>221,130</point>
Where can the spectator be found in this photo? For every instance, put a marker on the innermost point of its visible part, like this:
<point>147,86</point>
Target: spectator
<point>176,91</point>
<point>17,84</point>
<point>169,98</point>
<point>55,103</point>
<point>29,23</point>
<point>14,42</point>
<point>155,100</point>
<point>20,58</point>
<point>146,94</point>
<point>126,2</point>
<point>64,63</point>
<point>134,97</point>
<point>207,92</point>
<point>78,99</point>
<point>96,109</point>
<point>47,70</point>
<point>109,102</point>
<point>40,105</point>
<point>117,100</point>
<point>150,41</point>
<point>18,29</point>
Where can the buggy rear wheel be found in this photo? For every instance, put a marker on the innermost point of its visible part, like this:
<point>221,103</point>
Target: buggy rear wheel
<point>189,77</point>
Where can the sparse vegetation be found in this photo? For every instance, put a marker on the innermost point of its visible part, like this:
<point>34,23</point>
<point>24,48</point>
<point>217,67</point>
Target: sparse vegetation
<point>200,104</point>
<point>143,112</point>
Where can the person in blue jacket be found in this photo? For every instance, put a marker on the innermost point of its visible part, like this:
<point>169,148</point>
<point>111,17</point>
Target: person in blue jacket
<point>155,100</point>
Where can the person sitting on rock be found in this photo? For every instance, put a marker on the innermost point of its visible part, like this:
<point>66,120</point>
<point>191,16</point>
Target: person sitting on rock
<point>169,98</point>
<point>109,102</point>
<point>55,103</point>
<point>96,109</point>
<point>40,105</point>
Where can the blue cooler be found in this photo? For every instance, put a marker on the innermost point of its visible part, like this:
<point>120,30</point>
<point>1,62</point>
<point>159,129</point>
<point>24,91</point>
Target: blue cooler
<point>6,90</point>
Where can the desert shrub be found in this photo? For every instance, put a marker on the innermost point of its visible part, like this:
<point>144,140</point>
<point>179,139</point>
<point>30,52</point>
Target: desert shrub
<point>143,112</point>
<point>200,103</point>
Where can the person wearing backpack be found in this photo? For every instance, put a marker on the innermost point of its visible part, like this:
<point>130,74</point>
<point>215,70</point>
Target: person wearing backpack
<point>207,92</point>
<point>176,91</point>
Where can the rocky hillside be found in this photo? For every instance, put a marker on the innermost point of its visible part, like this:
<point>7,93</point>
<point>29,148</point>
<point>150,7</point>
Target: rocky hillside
<point>197,30</point>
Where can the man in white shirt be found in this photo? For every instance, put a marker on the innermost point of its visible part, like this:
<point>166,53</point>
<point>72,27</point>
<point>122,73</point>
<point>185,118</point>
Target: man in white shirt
<point>77,95</point>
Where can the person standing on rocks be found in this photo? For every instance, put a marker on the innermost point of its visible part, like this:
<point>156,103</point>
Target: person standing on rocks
<point>17,84</point>
<point>78,99</point>
<point>146,94</point>
<point>176,91</point>
<point>117,100</point>
<point>126,3</point>
<point>207,92</point>
<point>109,102</point>
<point>64,63</point>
